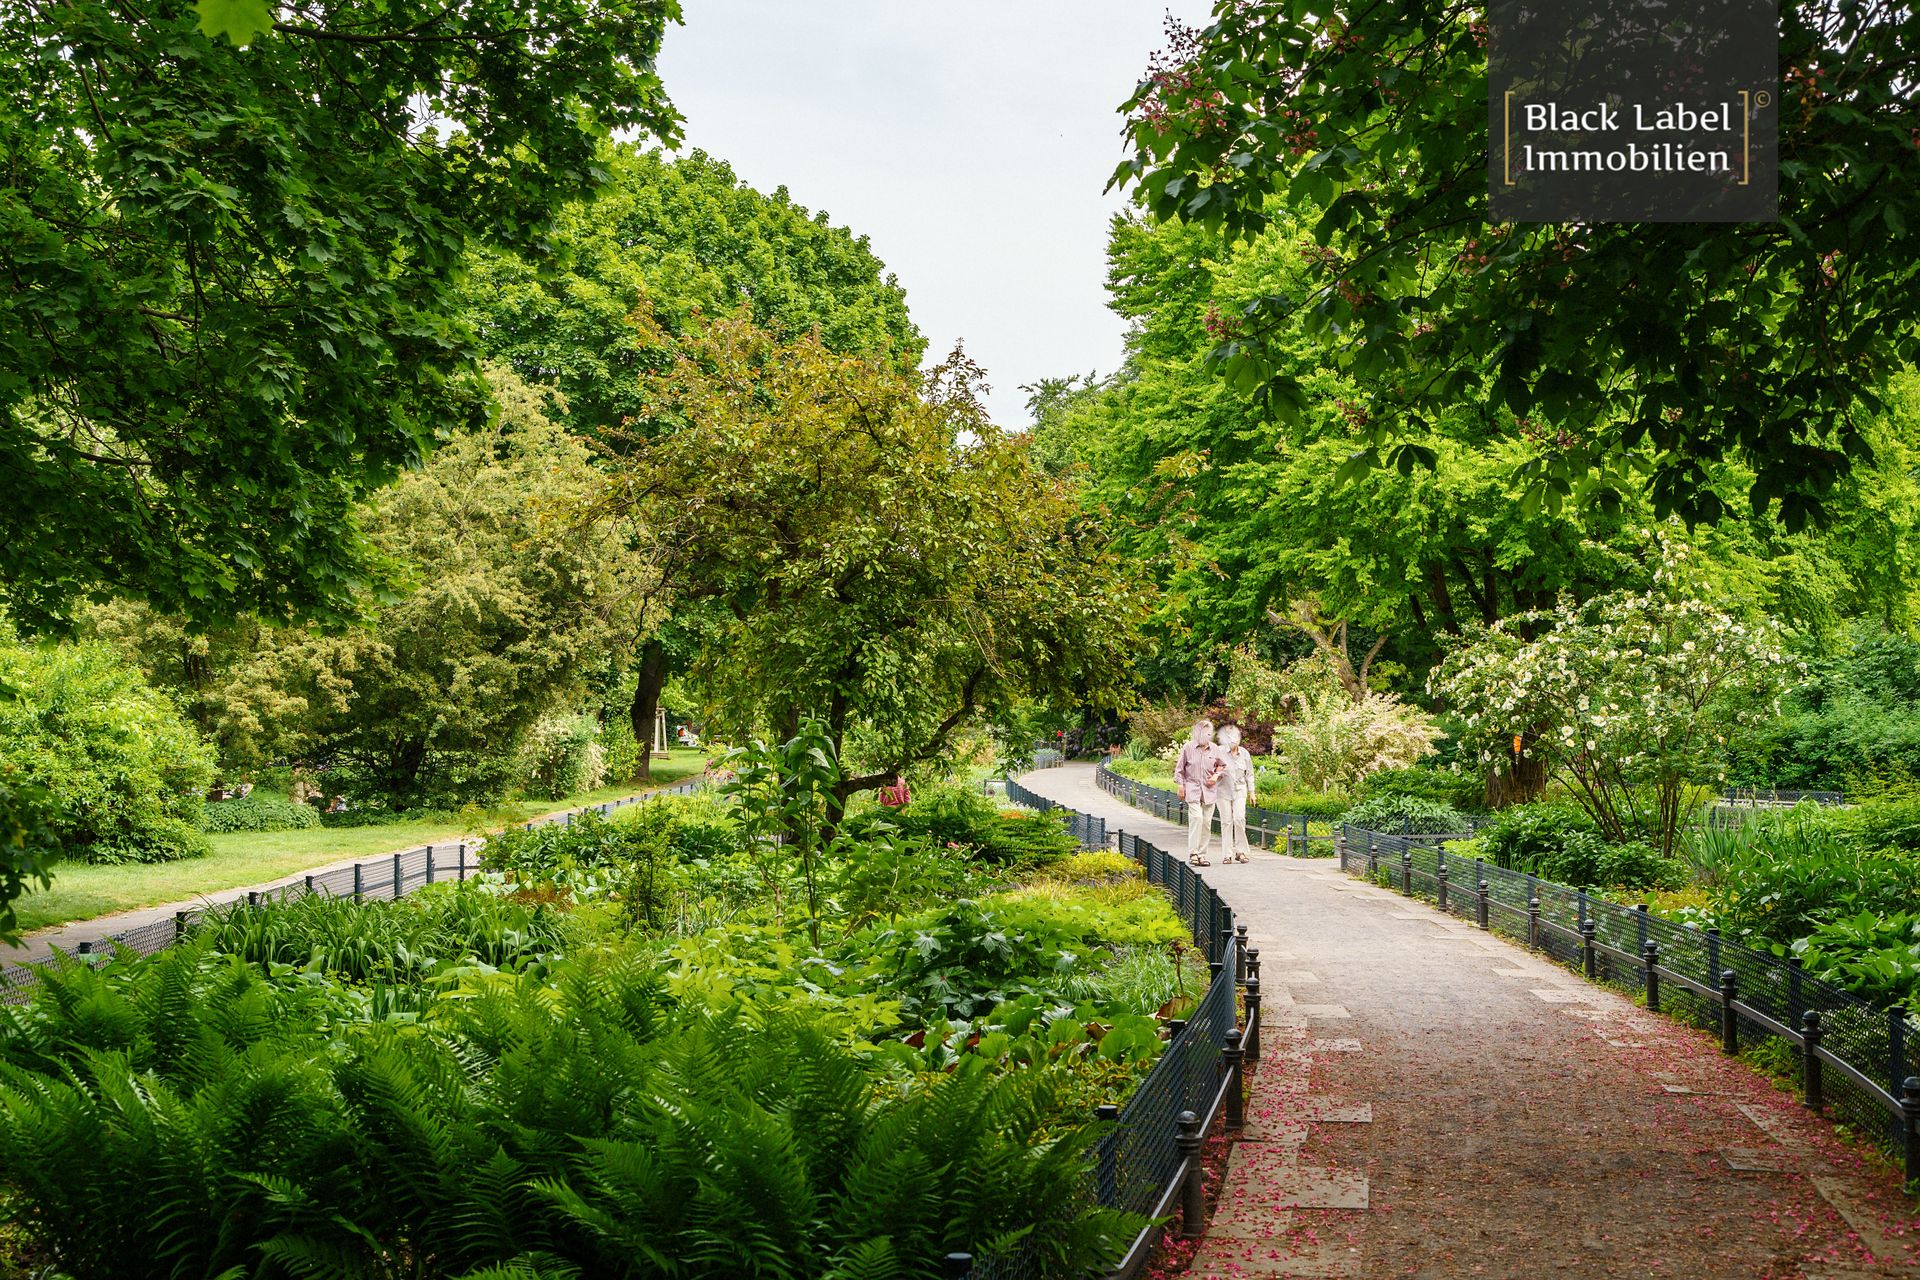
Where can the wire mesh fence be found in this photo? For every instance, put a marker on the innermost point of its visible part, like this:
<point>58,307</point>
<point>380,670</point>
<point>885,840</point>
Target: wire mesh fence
<point>1857,1062</point>
<point>376,879</point>
<point>1090,831</point>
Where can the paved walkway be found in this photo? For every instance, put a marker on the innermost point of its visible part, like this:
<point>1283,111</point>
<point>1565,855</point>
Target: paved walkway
<point>1436,1102</point>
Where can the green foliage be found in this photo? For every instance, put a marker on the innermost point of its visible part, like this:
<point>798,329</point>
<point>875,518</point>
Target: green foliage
<point>929,575</point>
<point>562,756</point>
<point>1608,340</point>
<point>405,942</point>
<point>427,706</point>
<point>29,845</point>
<point>1784,877</point>
<point>1465,792</point>
<point>955,816</point>
<point>1397,813</point>
<point>122,772</point>
<point>587,1124</point>
<point>684,237</point>
<point>1854,727</point>
<point>1874,956</point>
<point>258,811</point>
<point>1520,836</point>
<point>1890,825</point>
<point>229,303</point>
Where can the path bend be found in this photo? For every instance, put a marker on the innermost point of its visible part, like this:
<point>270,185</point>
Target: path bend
<point>1434,1101</point>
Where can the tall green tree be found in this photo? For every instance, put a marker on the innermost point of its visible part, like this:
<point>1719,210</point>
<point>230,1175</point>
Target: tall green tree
<point>880,556</point>
<point>676,241</point>
<point>507,607</point>
<point>1652,352</point>
<point>227,275</point>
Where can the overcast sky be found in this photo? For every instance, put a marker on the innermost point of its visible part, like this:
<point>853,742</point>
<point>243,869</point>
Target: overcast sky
<point>969,141</point>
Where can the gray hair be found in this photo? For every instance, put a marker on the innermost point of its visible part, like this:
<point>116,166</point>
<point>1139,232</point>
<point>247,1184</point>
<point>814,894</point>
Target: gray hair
<point>1230,735</point>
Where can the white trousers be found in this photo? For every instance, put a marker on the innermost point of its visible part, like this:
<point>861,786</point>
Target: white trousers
<point>1233,824</point>
<point>1199,828</point>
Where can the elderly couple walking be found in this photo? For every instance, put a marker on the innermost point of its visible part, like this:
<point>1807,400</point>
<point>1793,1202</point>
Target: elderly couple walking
<point>1214,776</point>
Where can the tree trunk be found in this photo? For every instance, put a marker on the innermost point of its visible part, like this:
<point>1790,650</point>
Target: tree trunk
<point>646,703</point>
<point>1522,780</point>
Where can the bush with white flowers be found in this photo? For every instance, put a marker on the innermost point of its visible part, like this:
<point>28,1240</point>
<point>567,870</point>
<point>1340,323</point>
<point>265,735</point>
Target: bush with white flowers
<point>1630,699</point>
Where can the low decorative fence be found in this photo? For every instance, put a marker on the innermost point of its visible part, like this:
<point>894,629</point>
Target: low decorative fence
<point>1298,834</point>
<point>1148,1159</point>
<point>1859,1063</point>
<point>377,879</point>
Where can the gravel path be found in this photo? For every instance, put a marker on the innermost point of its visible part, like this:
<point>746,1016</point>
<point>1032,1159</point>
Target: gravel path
<point>1436,1102</point>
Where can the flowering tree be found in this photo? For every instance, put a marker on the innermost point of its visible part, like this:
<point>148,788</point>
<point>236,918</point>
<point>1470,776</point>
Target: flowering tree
<point>1628,699</point>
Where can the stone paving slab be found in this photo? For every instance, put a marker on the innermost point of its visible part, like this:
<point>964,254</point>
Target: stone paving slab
<point>1241,1260</point>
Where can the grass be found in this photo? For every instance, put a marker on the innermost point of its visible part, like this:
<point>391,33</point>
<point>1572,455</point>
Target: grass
<point>241,858</point>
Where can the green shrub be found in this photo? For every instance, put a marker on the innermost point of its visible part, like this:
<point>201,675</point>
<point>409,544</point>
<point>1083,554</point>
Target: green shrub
<point>1891,825</point>
<point>1402,813</point>
<point>124,770</point>
<point>959,816</point>
<point>1793,874</point>
<point>258,811</point>
<point>1586,860</point>
<point>562,756</point>
<point>1520,836</point>
<point>1464,792</point>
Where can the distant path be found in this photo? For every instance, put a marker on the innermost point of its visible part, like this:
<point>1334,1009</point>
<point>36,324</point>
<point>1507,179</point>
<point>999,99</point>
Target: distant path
<point>1433,1101</point>
<point>40,944</point>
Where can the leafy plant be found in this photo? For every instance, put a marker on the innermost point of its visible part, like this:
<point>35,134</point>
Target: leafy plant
<point>1397,813</point>
<point>258,811</point>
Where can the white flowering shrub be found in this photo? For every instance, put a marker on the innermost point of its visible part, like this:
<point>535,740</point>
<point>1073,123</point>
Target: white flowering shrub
<point>1631,700</point>
<point>1334,742</point>
<point>561,756</point>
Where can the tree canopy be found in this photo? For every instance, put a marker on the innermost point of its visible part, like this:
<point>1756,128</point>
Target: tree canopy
<point>883,558</point>
<point>1648,353</point>
<point>227,305</point>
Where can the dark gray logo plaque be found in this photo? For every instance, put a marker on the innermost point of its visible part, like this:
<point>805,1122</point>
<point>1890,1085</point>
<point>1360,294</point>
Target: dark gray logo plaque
<point>1632,111</point>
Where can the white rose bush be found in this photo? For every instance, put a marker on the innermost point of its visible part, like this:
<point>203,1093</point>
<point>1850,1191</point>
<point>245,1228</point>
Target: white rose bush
<point>1629,699</point>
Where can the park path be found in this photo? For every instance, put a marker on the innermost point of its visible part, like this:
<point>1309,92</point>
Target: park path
<point>1433,1101</point>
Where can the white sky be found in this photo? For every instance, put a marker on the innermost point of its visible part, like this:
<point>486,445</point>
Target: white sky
<point>969,141</point>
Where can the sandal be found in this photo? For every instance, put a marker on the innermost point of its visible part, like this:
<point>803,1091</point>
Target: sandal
<point>1198,862</point>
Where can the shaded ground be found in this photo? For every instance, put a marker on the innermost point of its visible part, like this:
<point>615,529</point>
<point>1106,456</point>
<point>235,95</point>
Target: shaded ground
<point>1519,1121</point>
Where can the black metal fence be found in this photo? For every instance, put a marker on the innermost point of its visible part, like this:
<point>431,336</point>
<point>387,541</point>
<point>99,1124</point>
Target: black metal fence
<point>1299,834</point>
<point>1147,1161</point>
<point>1090,831</point>
<point>1857,1062</point>
<point>376,879</point>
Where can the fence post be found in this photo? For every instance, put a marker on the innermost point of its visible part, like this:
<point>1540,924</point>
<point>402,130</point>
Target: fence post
<point>1303,836</point>
<point>396,878</point>
<point>1250,1046</point>
<point>1713,959</point>
<point>1240,952</point>
<point>1106,1187</point>
<point>1406,872</point>
<point>462,856</point>
<point>179,925</point>
<point>1533,924</point>
<point>1193,1201</point>
<point>1650,957</point>
<point>1640,926</point>
<point>1176,1027</point>
<point>957,1266</point>
<point>1910,1118</point>
<point>1226,942</point>
<point>253,897</point>
<point>1729,1016</point>
<point>429,864</point>
<point>1588,957</point>
<point>1443,883</point>
<point>1896,1048</point>
<point>1810,1060</point>
<point>1484,890</point>
<point>1581,918</point>
<point>1373,855</point>
<point>1230,1058</point>
<point>357,882</point>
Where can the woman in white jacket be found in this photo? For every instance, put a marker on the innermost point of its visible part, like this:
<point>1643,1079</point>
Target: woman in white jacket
<point>1236,793</point>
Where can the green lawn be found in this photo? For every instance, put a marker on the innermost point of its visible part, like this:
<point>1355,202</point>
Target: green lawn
<point>82,892</point>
